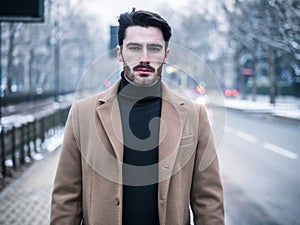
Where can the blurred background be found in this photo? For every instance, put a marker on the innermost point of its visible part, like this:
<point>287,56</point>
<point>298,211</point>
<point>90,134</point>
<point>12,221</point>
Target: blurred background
<point>252,48</point>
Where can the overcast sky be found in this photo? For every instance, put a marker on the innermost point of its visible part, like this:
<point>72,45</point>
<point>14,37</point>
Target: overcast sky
<point>110,9</point>
<point>107,11</point>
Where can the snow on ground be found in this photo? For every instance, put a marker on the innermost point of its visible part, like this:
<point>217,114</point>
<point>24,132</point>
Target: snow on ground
<point>288,107</point>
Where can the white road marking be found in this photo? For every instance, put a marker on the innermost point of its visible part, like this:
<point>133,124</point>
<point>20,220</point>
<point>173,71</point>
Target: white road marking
<point>246,137</point>
<point>280,150</point>
<point>267,145</point>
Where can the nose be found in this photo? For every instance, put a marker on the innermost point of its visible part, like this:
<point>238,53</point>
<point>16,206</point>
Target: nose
<point>143,62</point>
<point>145,57</point>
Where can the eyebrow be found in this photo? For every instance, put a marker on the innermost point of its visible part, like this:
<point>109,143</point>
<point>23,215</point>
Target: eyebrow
<point>155,45</point>
<point>133,43</point>
<point>148,44</point>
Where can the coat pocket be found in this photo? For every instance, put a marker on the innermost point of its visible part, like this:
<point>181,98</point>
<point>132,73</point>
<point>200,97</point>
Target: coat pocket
<point>186,140</point>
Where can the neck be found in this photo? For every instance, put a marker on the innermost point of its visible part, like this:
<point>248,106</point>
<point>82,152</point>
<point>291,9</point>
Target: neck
<point>134,84</point>
<point>128,89</point>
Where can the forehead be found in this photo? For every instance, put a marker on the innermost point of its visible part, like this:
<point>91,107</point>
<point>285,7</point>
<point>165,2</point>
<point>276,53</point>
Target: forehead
<point>143,34</point>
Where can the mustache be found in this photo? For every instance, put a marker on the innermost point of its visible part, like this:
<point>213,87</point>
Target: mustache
<point>144,66</point>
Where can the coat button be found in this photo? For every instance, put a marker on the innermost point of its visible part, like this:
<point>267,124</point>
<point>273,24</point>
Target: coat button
<point>166,167</point>
<point>117,201</point>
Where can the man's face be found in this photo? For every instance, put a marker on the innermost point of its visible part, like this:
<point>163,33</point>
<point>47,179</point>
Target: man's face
<point>143,53</point>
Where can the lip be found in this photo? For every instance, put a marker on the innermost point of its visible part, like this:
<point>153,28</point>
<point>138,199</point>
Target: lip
<point>144,68</point>
<point>143,71</point>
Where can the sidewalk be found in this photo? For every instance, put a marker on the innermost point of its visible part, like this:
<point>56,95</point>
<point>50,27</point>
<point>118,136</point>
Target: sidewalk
<point>26,201</point>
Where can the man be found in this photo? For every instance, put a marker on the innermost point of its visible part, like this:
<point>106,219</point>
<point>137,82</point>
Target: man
<point>131,155</point>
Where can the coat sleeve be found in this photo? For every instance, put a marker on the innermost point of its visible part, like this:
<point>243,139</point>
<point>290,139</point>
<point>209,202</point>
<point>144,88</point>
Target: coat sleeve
<point>66,205</point>
<point>207,191</point>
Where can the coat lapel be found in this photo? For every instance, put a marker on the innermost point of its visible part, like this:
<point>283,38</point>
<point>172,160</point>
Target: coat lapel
<point>172,120</point>
<point>173,116</point>
<point>109,114</point>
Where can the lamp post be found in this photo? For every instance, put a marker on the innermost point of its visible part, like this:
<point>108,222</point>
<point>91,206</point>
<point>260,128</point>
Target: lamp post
<point>1,93</point>
<point>57,61</point>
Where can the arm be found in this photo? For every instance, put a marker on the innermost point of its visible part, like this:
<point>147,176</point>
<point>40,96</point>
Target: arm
<point>207,191</point>
<point>66,203</point>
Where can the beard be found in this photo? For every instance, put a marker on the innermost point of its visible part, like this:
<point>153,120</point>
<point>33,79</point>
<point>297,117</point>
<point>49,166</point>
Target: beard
<point>140,80</point>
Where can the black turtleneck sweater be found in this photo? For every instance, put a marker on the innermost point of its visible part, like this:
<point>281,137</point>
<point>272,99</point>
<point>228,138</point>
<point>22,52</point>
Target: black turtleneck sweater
<point>138,106</point>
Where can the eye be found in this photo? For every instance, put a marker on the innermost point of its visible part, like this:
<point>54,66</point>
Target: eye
<point>134,48</point>
<point>154,49</point>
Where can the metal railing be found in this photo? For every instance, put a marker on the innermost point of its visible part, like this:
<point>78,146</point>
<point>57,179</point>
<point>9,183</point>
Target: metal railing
<point>20,141</point>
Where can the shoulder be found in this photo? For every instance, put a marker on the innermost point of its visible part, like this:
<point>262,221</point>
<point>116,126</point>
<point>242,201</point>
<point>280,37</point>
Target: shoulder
<point>96,99</point>
<point>178,97</point>
<point>86,103</point>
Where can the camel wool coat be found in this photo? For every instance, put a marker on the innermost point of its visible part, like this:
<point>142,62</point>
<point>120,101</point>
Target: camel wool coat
<point>88,183</point>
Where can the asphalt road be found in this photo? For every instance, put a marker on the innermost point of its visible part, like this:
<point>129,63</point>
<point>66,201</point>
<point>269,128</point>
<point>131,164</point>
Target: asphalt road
<point>260,167</point>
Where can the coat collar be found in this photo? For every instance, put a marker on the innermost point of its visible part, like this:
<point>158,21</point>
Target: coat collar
<point>168,95</point>
<point>173,116</point>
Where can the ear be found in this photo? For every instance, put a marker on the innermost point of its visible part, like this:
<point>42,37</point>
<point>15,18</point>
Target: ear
<point>119,53</point>
<point>166,56</point>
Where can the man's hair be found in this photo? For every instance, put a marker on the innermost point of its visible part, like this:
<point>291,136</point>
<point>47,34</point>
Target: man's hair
<point>144,19</point>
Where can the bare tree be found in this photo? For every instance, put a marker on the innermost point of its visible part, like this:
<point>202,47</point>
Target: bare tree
<point>29,50</point>
<point>271,26</point>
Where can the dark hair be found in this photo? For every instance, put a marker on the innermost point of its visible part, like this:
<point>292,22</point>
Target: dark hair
<point>144,19</point>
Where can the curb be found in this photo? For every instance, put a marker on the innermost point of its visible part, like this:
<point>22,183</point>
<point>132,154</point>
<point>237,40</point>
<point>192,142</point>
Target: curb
<point>16,181</point>
<point>267,113</point>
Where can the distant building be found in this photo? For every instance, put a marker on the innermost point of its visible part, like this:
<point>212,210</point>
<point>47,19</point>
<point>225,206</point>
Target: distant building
<point>113,40</point>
